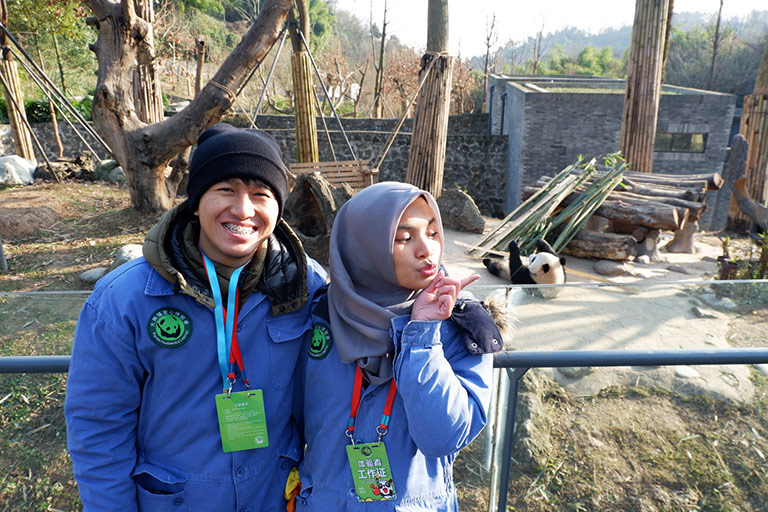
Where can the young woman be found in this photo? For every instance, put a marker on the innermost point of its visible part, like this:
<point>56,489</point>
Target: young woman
<point>398,371</point>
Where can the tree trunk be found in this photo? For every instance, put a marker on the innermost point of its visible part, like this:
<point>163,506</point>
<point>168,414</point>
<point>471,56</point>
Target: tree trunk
<point>200,55</point>
<point>754,128</point>
<point>644,72</point>
<point>378,65</point>
<point>144,149</point>
<point>426,159</point>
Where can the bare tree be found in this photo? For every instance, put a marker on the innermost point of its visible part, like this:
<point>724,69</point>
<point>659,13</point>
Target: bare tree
<point>538,51</point>
<point>378,62</point>
<point>491,38</point>
<point>715,48</point>
<point>141,141</point>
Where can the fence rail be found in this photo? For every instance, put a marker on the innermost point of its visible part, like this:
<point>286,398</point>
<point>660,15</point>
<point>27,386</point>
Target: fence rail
<point>516,365</point>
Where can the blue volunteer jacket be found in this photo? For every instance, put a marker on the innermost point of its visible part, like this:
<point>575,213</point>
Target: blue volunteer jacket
<point>443,392</point>
<point>141,415</point>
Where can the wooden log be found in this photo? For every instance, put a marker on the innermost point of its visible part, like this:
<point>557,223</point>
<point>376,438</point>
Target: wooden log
<point>609,246</point>
<point>683,241</point>
<point>644,212</point>
<point>697,208</point>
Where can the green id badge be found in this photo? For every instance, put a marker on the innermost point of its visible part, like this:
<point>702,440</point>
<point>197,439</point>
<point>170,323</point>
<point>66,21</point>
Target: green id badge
<point>370,471</point>
<point>242,422</point>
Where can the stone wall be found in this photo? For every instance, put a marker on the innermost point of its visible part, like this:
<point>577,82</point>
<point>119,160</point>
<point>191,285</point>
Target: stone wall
<point>475,162</point>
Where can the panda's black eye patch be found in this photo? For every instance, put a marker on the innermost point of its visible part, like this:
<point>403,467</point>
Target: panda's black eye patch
<point>545,268</point>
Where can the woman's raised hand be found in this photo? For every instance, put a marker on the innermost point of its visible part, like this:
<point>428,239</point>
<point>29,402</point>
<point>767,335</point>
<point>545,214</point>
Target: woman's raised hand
<point>436,301</point>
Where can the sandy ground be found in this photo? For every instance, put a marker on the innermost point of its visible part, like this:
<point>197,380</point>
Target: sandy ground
<point>655,308</point>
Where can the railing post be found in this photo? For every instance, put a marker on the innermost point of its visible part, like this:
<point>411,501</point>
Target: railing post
<point>3,263</point>
<point>515,374</point>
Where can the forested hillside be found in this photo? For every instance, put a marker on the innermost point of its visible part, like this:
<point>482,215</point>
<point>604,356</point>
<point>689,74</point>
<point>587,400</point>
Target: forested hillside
<point>346,51</point>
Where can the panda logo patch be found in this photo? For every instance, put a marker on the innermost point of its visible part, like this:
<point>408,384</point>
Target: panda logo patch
<point>321,342</point>
<point>169,328</point>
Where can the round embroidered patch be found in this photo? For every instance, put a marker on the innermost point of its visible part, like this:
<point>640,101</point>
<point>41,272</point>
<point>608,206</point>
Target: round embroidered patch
<point>169,327</point>
<point>321,342</point>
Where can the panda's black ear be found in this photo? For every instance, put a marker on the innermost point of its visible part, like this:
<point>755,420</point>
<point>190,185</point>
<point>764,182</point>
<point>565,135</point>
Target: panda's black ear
<point>545,268</point>
<point>562,260</point>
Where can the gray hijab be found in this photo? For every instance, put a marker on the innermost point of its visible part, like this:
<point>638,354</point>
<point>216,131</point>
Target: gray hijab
<point>364,294</point>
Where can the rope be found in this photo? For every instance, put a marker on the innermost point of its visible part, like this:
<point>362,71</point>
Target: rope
<point>232,98</point>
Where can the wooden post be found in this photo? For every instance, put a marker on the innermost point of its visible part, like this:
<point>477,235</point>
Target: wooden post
<point>303,91</point>
<point>754,128</point>
<point>14,97</point>
<point>426,158</point>
<point>306,125</point>
<point>149,102</point>
<point>644,73</point>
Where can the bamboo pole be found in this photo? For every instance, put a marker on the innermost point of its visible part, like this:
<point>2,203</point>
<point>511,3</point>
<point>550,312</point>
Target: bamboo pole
<point>306,126</point>
<point>17,117</point>
<point>426,159</point>
<point>643,93</point>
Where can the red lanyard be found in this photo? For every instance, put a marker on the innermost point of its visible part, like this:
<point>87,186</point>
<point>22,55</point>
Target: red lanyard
<point>356,392</point>
<point>234,354</point>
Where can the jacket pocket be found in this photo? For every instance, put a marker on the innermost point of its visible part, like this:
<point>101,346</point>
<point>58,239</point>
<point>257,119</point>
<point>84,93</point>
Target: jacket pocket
<point>159,490</point>
<point>286,333</point>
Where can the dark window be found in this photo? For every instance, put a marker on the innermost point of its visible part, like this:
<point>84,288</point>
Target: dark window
<point>680,142</point>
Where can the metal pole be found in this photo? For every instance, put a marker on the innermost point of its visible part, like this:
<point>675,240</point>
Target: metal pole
<point>3,263</point>
<point>34,364</point>
<point>269,75</point>
<point>515,374</point>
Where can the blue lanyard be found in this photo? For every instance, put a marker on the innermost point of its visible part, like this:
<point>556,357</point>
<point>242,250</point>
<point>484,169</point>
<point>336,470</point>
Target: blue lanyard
<point>223,332</point>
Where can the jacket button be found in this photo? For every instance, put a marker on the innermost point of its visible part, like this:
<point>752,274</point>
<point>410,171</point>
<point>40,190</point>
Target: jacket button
<point>239,472</point>
<point>351,491</point>
<point>285,464</point>
<point>303,501</point>
<point>178,502</point>
<point>495,341</point>
<point>474,345</point>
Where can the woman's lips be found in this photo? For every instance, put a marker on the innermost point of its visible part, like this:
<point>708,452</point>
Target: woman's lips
<point>428,270</point>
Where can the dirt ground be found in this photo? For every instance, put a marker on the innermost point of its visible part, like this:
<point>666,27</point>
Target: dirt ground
<point>633,439</point>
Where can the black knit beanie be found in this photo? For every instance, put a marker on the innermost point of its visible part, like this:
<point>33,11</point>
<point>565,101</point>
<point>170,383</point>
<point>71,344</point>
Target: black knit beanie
<point>225,152</point>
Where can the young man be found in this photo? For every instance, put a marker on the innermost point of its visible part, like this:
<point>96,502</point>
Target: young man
<point>180,388</point>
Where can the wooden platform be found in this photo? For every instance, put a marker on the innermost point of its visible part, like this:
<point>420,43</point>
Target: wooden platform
<point>356,173</point>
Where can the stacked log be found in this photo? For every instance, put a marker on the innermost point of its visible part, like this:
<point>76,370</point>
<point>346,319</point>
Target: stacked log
<point>641,206</point>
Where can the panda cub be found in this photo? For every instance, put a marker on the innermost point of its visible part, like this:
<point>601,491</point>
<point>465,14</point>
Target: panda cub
<point>544,267</point>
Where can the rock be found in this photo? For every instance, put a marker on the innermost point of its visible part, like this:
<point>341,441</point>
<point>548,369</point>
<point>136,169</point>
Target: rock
<point>717,302</point>
<point>644,259</point>
<point>706,313</point>
<point>612,268</point>
<point>117,175</point>
<point>575,372</point>
<point>104,168</point>
<point>686,372</point>
<point>678,268</point>
<point>459,212</point>
<point>310,209</point>
<point>125,254</point>
<point>762,368</point>
<point>15,170</point>
<point>93,275</point>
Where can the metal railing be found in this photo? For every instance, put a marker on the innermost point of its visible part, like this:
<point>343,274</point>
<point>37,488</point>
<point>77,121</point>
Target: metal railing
<point>546,320</point>
<point>516,364</point>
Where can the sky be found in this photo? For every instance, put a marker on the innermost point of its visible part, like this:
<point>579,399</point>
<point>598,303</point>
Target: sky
<point>517,20</point>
